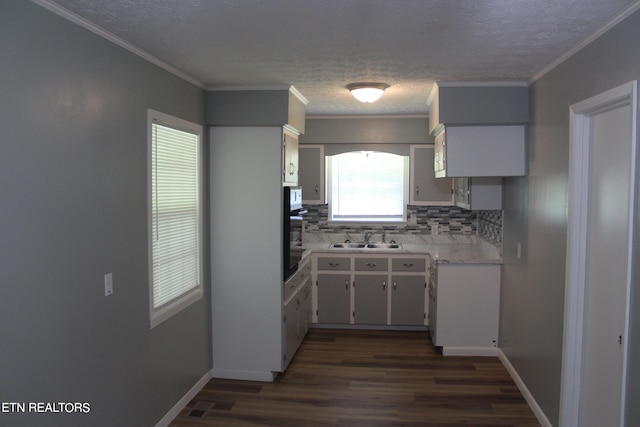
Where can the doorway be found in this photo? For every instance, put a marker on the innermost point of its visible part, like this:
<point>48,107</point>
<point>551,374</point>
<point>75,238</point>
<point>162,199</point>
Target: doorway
<point>601,203</point>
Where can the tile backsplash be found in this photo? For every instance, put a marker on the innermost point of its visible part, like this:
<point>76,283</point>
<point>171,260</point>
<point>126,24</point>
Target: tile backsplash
<point>425,220</point>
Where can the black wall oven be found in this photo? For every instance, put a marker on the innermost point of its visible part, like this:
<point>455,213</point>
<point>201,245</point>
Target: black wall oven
<point>292,230</point>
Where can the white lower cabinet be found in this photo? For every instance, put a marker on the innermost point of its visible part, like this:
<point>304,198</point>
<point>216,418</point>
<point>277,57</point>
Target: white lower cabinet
<point>360,289</point>
<point>297,311</point>
<point>291,309</point>
<point>466,300</point>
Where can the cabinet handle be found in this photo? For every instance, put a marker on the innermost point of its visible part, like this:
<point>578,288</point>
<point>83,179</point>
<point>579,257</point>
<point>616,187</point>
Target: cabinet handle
<point>346,284</point>
<point>371,264</point>
<point>334,264</point>
<point>384,285</point>
<point>395,285</point>
<point>408,265</point>
<point>417,189</point>
<point>317,189</point>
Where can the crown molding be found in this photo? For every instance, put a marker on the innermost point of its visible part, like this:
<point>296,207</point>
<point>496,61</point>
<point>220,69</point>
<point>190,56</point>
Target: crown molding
<point>628,11</point>
<point>78,20</point>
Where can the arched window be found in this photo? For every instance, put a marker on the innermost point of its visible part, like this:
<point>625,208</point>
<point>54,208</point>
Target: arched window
<point>367,186</point>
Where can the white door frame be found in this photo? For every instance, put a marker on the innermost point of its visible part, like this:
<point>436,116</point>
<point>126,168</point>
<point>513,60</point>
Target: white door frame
<point>575,292</point>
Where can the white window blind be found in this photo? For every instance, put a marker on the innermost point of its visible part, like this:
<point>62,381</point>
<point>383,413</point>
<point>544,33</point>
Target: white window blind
<point>368,186</point>
<point>175,216</point>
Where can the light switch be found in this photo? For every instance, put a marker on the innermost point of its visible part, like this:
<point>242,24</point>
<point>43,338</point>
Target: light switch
<point>108,284</point>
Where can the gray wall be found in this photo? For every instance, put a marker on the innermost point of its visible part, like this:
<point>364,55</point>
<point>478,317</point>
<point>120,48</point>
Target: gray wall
<point>535,214</point>
<point>73,194</point>
<point>361,130</point>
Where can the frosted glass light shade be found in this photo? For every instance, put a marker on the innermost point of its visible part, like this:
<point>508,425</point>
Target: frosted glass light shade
<point>367,92</point>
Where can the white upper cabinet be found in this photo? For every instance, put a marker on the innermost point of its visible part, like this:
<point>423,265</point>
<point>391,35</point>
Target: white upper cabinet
<point>424,188</point>
<point>478,193</point>
<point>311,176</point>
<point>475,151</point>
<point>479,129</point>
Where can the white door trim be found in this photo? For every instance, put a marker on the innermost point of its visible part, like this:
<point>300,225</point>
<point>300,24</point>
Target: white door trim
<point>579,172</point>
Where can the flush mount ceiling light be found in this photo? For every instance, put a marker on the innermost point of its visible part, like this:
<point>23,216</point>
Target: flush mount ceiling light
<point>367,92</point>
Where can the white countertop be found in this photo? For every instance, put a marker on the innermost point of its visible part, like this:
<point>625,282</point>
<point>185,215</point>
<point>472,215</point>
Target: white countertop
<point>453,249</point>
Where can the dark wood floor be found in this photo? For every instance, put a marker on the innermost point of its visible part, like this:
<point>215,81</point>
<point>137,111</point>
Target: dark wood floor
<point>367,378</point>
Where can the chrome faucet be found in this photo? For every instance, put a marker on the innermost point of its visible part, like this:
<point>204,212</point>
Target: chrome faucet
<point>368,235</point>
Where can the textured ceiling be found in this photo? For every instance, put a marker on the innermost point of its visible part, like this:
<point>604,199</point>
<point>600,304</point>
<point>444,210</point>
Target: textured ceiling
<point>321,46</point>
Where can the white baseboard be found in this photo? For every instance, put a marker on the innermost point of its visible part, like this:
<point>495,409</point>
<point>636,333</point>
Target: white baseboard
<point>537,411</point>
<point>469,351</point>
<point>179,406</point>
<point>232,374</point>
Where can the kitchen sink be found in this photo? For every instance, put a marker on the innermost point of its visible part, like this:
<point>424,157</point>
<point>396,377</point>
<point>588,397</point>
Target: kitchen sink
<point>363,245</point>
<point>348,245</point>
<point>384,245</point>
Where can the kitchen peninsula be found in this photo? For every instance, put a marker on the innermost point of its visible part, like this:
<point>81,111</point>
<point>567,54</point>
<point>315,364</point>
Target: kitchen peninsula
<point>448,284</point>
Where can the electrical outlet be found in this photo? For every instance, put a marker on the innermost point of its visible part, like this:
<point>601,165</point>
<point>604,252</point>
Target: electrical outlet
<point>108,284</point>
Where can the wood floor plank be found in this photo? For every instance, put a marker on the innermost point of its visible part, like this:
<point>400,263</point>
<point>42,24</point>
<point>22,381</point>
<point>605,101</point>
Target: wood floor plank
<point>367,378</point>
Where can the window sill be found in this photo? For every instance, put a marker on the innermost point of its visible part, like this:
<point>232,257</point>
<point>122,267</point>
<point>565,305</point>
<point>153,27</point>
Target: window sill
<point>368,221</point>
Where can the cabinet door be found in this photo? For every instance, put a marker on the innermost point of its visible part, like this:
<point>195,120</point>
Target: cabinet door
<point>431,312</point>
<point>479,193</point>
<point>461,192</point>
<point>468,304</point>
<point>425,188</point>
<point>484,151</point>
<point>334,298</point>
<point>408,300</point>
<point>290,158</point>
<point>304,315</point>
<point>291,329</point>
<point>370,299</point>
<point>311,175</point>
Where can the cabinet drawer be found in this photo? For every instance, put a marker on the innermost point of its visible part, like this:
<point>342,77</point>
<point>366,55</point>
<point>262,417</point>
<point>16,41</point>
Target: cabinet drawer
<point>371,264</point>
<point>334,263</point>
<point>408,264</point>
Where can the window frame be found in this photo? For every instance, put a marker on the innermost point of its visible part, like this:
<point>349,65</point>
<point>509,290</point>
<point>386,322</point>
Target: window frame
<point>364,219</point>
<point>158,315</point>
